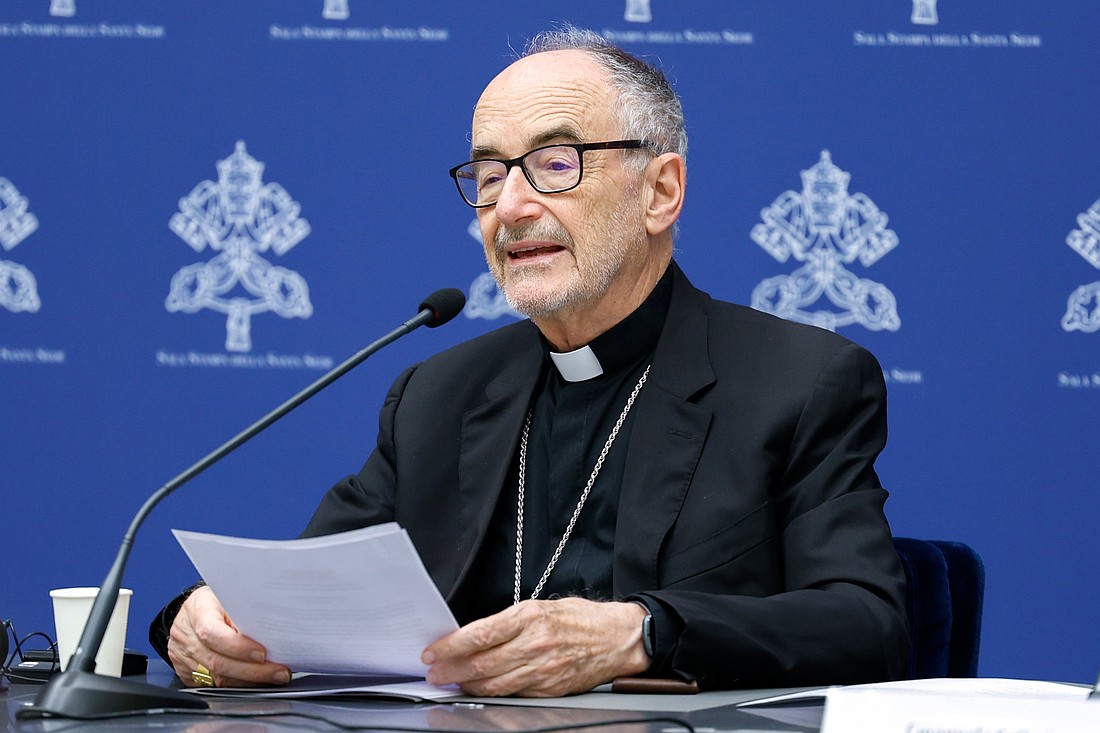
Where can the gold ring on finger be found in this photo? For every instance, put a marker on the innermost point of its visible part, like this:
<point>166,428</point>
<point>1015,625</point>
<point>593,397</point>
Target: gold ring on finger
<point>201,676</point>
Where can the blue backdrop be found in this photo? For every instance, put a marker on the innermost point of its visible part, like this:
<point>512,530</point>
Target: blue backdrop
<point>205,204</point>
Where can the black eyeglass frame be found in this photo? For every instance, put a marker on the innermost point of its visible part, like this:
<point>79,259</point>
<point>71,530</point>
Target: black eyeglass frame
<point>581,149</point>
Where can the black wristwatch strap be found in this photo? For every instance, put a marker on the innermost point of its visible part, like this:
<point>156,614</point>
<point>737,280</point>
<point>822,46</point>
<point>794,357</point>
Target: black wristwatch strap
<point>649,634</point>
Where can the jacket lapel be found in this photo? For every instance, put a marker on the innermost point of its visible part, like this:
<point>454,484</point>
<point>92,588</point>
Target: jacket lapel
<point>490,436</point>
<point>666,440</point>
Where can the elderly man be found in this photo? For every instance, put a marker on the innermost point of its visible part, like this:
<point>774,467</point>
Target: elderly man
<point>639,480</point>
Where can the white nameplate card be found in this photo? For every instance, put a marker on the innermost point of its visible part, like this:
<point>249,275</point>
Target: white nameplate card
<point>963,705</point>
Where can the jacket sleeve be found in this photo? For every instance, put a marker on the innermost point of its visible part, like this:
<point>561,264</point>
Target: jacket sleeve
<point>839,617</point>
<point>367,498</point>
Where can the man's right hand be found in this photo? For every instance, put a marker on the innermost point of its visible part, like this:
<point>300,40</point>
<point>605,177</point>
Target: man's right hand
<point>203,634</point>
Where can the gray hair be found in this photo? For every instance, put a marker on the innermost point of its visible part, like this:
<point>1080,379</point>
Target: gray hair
<point>647,107</point>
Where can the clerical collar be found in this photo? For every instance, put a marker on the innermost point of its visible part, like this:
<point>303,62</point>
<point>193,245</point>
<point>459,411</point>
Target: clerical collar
<point>624,343</point>
<point>577,366</point>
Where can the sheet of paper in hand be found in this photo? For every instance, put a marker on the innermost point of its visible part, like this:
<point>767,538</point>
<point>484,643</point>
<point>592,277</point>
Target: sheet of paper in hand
<point>357,602</point>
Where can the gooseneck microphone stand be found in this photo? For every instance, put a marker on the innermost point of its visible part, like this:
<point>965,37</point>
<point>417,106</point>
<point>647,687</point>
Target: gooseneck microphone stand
<point>79,692</point>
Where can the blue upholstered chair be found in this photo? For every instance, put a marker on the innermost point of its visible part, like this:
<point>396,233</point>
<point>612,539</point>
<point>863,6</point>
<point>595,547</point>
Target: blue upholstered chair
<point>946,584</point>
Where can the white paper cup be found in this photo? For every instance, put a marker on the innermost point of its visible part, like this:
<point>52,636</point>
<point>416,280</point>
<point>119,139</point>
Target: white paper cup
<point>71,607</point>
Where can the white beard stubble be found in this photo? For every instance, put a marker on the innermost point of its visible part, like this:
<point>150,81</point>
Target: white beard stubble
<point>597,262</point>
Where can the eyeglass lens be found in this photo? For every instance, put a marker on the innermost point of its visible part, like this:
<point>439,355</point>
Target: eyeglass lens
<point>549,170</point>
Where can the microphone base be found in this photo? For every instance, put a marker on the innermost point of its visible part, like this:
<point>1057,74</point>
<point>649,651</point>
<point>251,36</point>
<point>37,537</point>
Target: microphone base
<point>86,696</point>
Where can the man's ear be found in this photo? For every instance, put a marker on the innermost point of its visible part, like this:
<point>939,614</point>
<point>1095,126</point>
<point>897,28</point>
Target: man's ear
<point>666,177</point>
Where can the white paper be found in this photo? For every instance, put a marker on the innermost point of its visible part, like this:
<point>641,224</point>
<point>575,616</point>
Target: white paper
<point>885,710</point>
<point>936,704</point>
<point>961,686</point>
<point>358,602</point>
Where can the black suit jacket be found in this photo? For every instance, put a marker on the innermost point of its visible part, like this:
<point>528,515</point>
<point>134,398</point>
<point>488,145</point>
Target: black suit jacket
<point>750,505</point>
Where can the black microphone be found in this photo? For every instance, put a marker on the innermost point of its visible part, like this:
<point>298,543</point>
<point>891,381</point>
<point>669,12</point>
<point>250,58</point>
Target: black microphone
<point>80,693</point>
<point>445,304</point>
<point>3,654</point>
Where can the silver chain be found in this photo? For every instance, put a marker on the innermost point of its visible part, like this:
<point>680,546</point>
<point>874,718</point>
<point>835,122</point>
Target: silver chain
<point>580,503</point>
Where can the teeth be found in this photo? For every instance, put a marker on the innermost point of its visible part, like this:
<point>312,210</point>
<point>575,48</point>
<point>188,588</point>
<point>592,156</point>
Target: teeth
<point>520,252</point>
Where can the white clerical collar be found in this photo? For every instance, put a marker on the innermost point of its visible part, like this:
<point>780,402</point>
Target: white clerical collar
<point>577,366</point>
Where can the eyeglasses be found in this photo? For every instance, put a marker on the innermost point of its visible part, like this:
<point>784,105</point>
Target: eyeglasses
<point>549,169</point>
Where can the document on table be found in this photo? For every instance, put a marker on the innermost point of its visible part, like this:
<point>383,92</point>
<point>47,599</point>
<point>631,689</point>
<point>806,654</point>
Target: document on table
<point>341,687</point>
<point>358,602</point>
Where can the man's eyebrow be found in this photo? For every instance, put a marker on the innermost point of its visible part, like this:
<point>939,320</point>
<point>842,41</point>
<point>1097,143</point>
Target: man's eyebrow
<point>480,152</point>
<point>566,133</point>
<point>562,132</point>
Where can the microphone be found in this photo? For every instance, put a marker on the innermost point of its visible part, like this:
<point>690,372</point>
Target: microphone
<point>81,694</point>
<point>445,304</point>
<point>3,654</point>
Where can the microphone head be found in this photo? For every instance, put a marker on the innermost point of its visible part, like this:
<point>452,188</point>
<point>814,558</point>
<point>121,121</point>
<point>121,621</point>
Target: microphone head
<point>444,304</point>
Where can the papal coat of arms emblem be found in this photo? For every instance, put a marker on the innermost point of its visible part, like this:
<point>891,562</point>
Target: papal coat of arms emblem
<point>637,11</point>
<point>924,13</point>
<point>18,288</point>
<point>1083,307</point>
<point>239,217</point>
<point>826,228</point>
<point>63,8</point>
<point>336,10</point>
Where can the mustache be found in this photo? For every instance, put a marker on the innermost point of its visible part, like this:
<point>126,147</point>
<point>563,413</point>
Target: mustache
<point>549,231</point>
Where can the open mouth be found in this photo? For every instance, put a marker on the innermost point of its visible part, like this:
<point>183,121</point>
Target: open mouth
<point>537,250</point>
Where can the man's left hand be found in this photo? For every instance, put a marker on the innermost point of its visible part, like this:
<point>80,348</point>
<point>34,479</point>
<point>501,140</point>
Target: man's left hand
<point>541,649</point>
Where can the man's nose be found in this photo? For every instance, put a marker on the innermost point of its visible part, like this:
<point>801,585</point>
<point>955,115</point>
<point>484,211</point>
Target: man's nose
<point>518,200</point>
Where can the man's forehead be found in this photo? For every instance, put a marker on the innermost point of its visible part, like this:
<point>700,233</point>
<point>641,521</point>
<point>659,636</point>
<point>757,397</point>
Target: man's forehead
<point>553,91</point>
